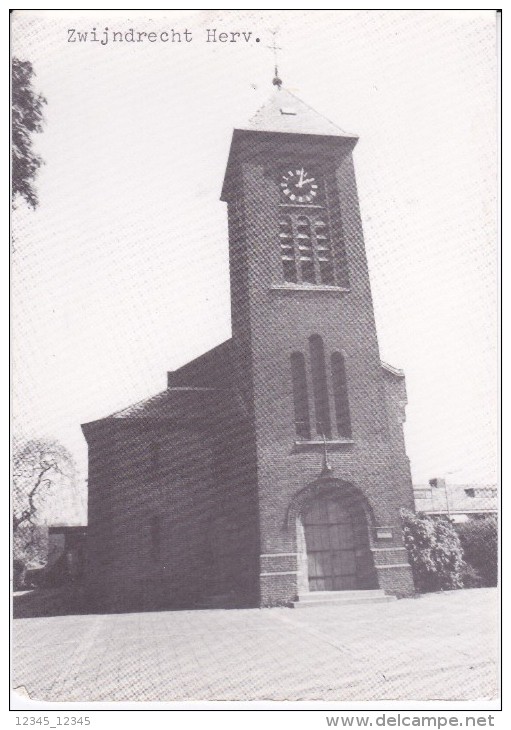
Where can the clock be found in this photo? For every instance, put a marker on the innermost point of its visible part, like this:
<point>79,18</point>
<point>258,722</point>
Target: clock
<point>299,186</point>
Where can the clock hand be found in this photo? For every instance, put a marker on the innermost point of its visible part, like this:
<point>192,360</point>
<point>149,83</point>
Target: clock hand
<point>299,184</point>
<point>309,179</point>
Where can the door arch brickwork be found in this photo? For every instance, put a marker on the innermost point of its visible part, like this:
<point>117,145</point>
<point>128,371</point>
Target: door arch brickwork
<point>332,523</point>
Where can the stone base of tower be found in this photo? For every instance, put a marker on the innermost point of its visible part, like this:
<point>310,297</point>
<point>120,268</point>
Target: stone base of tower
<point>393,577</point>
<point>396,580</point>
<point>394,574</point>
<point>278,589</point>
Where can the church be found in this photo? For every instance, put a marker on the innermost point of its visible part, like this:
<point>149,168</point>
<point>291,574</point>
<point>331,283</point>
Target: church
<point>272,469</point>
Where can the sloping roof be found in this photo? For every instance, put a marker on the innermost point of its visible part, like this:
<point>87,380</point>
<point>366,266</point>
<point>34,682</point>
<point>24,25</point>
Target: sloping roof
<point>180,405</point>
<point>172,402</point>
<point>209,370</point>
<point>285,112</point>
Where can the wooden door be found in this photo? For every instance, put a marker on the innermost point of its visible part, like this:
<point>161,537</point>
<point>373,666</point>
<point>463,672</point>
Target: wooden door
<point>331,539</point>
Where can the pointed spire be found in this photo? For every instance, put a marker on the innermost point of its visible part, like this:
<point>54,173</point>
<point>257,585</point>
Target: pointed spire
<point>284,112</point>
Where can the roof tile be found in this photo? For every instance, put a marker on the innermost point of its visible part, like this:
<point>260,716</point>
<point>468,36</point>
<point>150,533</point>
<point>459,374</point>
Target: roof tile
<point>285,112</point>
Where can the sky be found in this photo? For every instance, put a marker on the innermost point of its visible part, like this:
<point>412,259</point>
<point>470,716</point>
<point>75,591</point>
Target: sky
<point>121,273</point>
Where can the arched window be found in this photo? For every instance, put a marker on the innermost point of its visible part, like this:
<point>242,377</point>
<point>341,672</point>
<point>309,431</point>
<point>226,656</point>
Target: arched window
<point>342,406</point>
<point>320,388</point>
<point>300,396</point>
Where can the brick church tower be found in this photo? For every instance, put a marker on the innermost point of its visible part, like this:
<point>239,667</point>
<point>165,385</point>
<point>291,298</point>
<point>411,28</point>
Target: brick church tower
<point>332,473</point>
<point>273,468</point>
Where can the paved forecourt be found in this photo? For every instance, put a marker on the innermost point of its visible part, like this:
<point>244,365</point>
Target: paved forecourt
<point>439,646</point>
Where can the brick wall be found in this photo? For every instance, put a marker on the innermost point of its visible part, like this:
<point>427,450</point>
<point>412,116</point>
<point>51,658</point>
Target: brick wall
<point>204,517</point>
<point>278,320</point>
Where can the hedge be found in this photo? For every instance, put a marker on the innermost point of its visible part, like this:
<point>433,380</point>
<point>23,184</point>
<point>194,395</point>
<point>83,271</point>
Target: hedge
<point>479,540</point>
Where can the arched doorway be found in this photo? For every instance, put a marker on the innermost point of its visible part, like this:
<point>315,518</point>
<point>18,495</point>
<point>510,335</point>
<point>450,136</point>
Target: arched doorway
<point>336,541</point>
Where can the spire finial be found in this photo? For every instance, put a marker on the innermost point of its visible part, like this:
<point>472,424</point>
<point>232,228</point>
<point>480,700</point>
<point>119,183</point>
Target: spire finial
<point>277,81</point>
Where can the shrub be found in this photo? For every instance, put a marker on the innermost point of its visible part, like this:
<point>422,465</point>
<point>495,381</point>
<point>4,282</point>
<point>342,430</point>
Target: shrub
<point>470,577</point>
<point>434,551</point>
<point>479,540</point>
<point>19,572</point>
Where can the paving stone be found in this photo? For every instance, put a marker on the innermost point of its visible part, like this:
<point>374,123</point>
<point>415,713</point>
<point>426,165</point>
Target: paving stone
<point>440,646</point>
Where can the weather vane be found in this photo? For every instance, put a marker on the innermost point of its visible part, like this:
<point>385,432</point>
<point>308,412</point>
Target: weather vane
<point>276,80</point>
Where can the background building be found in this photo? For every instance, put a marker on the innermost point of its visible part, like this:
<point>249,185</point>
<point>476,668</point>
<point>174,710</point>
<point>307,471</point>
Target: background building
<point>460,502</point>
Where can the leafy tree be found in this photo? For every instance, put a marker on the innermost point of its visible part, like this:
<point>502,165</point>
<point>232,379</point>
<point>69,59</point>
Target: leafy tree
<point>480,542</point>
<point>27,118</point>
<point>434,551</point>
<point>42,468</point>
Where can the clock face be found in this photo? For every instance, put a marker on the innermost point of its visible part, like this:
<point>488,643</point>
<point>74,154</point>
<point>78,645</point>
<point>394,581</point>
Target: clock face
<point>299,186</point>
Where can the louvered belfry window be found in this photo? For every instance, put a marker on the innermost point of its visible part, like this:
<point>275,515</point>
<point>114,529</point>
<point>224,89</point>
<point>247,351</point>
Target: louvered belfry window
<point>287,249</point>
<point>305,252</point>
<point>324,252</point>
<point>306,249</point>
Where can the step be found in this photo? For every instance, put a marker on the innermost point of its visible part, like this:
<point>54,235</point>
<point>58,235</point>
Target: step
<point>341,598</point>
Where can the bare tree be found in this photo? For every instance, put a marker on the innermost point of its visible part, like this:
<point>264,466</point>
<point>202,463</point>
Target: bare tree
<point>27,118</point>
<point>42,469</point>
